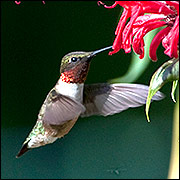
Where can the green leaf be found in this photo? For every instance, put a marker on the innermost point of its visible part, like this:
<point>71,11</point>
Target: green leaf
<point>174,86</point>
<point>169,71</point>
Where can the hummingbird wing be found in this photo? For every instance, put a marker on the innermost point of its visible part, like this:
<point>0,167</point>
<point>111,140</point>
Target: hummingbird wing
<point>58,109</point>
<point>107,99</point>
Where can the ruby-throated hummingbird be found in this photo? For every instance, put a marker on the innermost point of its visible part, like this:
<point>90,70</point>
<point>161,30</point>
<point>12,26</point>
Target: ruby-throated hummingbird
<point>70,98</point>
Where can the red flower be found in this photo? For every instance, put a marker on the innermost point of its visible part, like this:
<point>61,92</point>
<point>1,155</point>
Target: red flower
<point>19,2</point>
<point>162,14</point>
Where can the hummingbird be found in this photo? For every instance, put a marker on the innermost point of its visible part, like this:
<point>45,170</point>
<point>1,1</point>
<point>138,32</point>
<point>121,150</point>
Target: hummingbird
<point>70,99</point>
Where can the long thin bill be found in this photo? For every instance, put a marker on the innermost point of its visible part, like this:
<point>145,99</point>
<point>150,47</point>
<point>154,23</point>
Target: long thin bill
<point>101,50</point>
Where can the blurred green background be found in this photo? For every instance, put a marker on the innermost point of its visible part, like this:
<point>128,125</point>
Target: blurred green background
<point>34,38</point>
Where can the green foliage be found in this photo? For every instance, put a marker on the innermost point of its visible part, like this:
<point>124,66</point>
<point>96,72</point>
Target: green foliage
<point>174,86</point>
<point>169,71</point>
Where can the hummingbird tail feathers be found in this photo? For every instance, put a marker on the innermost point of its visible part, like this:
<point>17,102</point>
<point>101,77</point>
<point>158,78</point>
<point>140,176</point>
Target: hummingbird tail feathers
<point>23,150</point>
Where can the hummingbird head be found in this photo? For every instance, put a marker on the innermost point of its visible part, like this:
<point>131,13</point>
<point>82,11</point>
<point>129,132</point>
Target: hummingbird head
<point>75,65</point>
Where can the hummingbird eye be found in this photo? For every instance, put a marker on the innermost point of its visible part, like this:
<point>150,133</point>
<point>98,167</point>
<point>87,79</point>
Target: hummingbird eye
<point>74,59</point>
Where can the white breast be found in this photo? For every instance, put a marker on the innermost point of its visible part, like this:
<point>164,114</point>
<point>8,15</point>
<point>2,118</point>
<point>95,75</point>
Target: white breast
<point>73,90</point>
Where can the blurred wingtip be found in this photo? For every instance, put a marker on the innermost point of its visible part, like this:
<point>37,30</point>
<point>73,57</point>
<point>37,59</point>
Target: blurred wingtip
<point>158,96</point>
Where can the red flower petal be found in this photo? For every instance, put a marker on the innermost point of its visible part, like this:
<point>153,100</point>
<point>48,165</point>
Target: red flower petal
<point>142,32</point>
<point>158,7</point>
<point>156,41</point>
<point>132,33</point>
<point>17,2</point>
<point>119,29</point>
<point>134,16</point>
<point>124,17</point>
<point>174,4</point>
<point>141,20</point>
<point>170,42</point>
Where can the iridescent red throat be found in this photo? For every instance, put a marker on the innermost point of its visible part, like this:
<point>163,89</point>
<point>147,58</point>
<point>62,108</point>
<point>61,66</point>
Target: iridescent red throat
<point>65,78</point>
<point>69,78</point>
<point>77,74</point>
<point>72,77</point>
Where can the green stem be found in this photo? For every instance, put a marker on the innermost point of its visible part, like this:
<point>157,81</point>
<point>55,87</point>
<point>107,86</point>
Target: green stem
<point>174,161</point>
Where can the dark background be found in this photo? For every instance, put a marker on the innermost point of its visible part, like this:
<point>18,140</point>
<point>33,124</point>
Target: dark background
<point>34,38</point>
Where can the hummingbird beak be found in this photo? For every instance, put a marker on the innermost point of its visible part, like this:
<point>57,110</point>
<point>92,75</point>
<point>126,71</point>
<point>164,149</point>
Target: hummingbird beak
<point>101,50</point>
<point>98,51</point>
